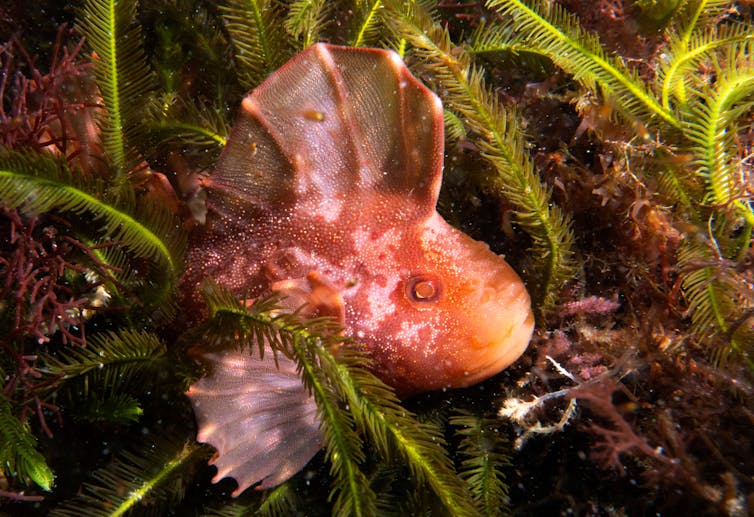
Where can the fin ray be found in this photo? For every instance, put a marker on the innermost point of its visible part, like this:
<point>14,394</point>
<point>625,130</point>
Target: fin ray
<point>259,437</point>
<point>333,122</point>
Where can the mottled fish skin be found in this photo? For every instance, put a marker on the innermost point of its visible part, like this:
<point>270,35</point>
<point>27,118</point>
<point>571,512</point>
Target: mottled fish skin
<point>331,174</point>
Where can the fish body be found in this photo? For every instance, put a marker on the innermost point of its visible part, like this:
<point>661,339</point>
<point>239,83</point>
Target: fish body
<point>326,192</point>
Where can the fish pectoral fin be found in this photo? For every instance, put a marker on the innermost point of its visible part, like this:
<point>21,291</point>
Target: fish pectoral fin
<point>312,296</point>
<point>260,418</point>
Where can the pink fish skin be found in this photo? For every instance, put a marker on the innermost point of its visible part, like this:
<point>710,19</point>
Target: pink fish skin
<point>327,192</point>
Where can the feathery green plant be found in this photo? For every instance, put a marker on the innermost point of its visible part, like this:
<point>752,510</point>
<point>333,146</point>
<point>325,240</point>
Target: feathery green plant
<point>122,75</point>
<point>148,479</point>
<point>37,183</point>
<point>367,22</point>
<point>198,127</point>
<point>712,128</point>
<point>280,501</point>
<point>483,447</point>
<point>40,183</point>
<point>546,27</point>
<point>711,111</point>
<point>118,361</point>
<point>185,35</point>
<point>306,20</point>
<point>688,44</point>
<point>119,409</point>
<point>256,31</point>
<point>713,304</point>
<point>684,56</point>
<point>19,456</point>
<point>255,326</point>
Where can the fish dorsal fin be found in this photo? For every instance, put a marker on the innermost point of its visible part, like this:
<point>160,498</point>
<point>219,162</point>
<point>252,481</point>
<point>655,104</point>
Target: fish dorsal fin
<point>333,123</point>
<point>258,415</point>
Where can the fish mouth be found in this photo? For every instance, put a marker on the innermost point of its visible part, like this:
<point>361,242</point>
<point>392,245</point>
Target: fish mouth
<point>500,338</point>
<point>515,346</point>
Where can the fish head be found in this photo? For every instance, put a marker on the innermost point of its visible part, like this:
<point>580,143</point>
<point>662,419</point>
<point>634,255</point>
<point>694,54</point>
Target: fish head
<point>437,309</point>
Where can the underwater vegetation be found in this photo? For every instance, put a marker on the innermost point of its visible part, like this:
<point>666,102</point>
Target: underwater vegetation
<point>605,148</point>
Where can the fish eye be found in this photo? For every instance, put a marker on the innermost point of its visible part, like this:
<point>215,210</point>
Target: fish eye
<point>423,288</point>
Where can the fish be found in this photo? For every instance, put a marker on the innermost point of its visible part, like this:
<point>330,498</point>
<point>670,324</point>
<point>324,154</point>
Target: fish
<point>326,193</point>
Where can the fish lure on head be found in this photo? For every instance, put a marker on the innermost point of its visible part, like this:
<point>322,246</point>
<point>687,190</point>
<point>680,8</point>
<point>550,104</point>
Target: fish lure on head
<point>326,193</point>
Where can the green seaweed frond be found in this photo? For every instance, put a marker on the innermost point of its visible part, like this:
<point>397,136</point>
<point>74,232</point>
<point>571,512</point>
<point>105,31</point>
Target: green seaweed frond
<point>281,501</point>
<point>683,57</point>
<point>19,456</point>
<point>483,447</point>
<point>38,184</point>
<point>99,380</point>
<point>345,449</point>
<point>306,19</point>
<point>546,27</point>
<point>496,37</point>
<point>695,14</point>
<point>118,409</point>
<point>148,480</point>
<point>501,40</point>
<point>191,124</point>
<point>718,301</point>
<point>690,37</point>
<point>454,128</point>
<point>498,135</point>
<point>113,360</point>
<point>397,435</point>
<point>123,77</point>
<point>181,34</point>
<point>349,398</point>
<point>712,128</point>
<point>367,22</point>
<point>256,31</point>
<point>679,187</point>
